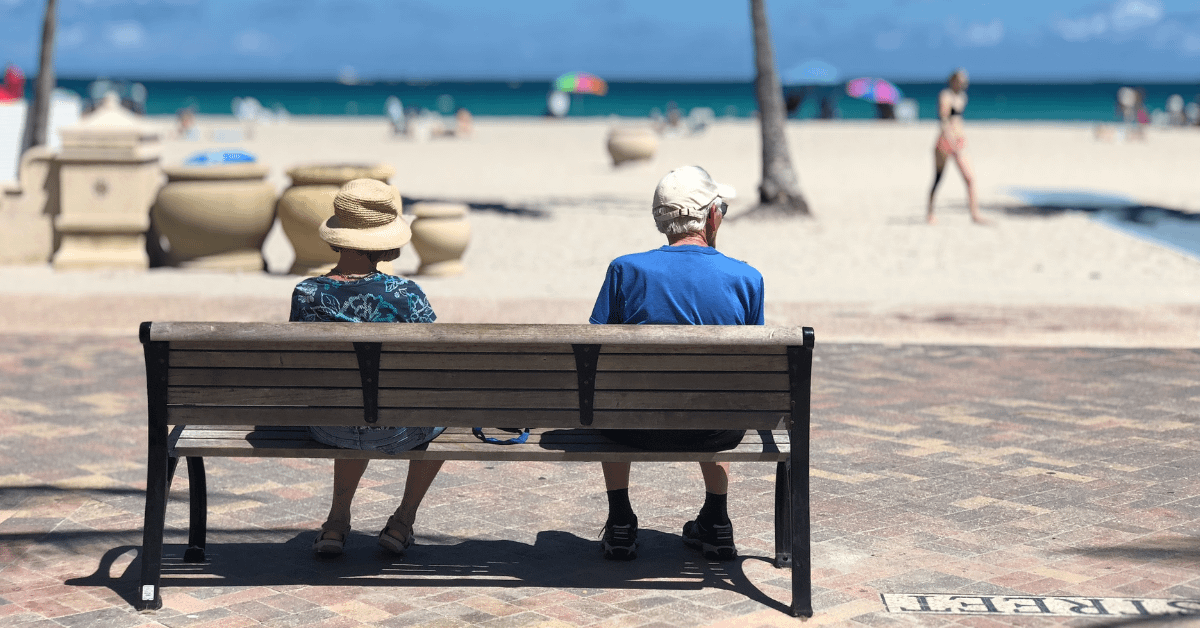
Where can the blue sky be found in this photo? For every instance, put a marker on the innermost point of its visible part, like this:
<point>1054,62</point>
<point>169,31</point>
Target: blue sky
<point>618,39</point>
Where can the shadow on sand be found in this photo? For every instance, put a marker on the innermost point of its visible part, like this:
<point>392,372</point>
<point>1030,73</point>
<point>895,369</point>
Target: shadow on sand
<point>499,208</point>
<point>558,560</point>
<point>1173,228</point>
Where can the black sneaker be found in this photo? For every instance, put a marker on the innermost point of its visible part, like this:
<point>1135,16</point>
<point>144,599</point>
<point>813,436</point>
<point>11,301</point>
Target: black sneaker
<point>715,542</point>
<point>620,542</point>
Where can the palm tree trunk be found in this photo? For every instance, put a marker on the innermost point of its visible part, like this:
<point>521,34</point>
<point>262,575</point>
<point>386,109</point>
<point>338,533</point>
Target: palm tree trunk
<point>780,189</point>
<point>39,113</point>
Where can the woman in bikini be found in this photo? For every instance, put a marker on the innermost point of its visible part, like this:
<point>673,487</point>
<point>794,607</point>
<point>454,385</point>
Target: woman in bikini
<point>952,143</point>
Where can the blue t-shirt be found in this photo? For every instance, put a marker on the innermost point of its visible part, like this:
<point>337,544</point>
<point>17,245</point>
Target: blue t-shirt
<point>686,284</point>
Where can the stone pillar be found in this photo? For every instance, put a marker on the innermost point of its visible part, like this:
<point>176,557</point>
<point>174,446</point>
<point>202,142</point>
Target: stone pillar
<point>109,175</point>
<point>27,210</point>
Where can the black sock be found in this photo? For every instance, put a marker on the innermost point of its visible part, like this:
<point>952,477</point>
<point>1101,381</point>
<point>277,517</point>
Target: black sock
<point>620,512</point>
<point>714,511</point>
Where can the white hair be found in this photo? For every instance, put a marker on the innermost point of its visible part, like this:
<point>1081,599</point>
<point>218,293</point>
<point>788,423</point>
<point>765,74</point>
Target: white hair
<point>683,225</point>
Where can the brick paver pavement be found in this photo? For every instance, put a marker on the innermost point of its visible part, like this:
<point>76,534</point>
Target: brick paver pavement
<point>936,469</point>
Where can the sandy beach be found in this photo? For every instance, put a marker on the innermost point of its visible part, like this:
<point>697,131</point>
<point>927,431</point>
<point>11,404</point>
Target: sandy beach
<point>550,211</point>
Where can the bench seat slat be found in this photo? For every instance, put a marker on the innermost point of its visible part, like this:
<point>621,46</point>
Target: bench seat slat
<point>452,445</point>
<point>259,415</point>
<point>600,454</point>
<point>451,435</point>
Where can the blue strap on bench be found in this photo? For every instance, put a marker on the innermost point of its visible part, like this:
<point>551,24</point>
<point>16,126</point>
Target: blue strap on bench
<point>516,440</point>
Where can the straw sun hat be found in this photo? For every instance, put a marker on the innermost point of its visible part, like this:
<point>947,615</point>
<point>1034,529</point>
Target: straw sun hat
<point>365,217</point>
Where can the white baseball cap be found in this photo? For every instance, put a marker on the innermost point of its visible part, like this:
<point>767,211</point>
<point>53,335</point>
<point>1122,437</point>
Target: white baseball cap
<point>687,191</point>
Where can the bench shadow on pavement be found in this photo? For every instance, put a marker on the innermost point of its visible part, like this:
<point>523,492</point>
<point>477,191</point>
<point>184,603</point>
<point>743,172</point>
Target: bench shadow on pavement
<point>556,560</point>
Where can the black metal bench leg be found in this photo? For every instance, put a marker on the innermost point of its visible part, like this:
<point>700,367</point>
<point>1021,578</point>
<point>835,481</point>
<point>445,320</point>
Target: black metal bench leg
<point>783,517</point>
<point>198,514</point>
<point>158,469</point>
<point>801,550</point>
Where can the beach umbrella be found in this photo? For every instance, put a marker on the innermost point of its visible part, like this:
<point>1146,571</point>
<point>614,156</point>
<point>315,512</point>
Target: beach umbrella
<point>581,83</point>
<point>874,90</point>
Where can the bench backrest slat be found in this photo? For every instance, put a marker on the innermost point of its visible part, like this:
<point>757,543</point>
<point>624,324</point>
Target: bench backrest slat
<point>624,419</point>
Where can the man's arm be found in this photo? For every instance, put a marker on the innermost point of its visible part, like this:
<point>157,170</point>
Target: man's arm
<point>607,309</point>
<point>758,298</point>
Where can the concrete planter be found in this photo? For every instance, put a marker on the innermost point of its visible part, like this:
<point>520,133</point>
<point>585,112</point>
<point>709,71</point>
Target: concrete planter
<point>440,233</point>
<point>631,144</point>
<point>108,176</point>
<point>308,203</point>
<point>215,217</point>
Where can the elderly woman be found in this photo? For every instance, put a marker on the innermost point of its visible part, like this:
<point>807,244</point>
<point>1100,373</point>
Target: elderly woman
<point>366,229</point>
<point>952,143</point>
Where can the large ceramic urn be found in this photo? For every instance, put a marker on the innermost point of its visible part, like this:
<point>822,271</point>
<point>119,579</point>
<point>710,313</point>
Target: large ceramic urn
<point>627,144</point>
<point>308,203</point>
<point>215,217</point>
<point>440,233</point>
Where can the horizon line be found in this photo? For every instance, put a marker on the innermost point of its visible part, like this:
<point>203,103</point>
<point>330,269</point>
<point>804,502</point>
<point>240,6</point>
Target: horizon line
<point>712,80</point>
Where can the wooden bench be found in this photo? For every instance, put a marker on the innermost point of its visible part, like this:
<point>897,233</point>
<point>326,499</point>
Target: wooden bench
<point>239,390</point>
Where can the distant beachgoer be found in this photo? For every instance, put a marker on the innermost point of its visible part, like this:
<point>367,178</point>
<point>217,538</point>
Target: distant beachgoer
<point>952,143</point>
<point>829,109</point>
<point>674,118</point>
<point>1175,115</point>
<point>187,123</point>
<point>1126,99</point>
<point>793,101</point>
<point>14,84</point>
<point>395,113</point>
<point>464,123</point>
<point>1143,116</point>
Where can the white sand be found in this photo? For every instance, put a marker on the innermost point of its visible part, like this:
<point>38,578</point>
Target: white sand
<point>866,268</point>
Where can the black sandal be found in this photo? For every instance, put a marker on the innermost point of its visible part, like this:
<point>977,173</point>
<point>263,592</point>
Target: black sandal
<point>391,543</point>
<point>326,547</point>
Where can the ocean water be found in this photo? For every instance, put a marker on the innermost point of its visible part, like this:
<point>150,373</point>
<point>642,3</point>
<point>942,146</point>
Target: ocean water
<point>988,101</point>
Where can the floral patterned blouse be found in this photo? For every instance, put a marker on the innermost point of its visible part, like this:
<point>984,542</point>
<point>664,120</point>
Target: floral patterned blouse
<point>376,298</point>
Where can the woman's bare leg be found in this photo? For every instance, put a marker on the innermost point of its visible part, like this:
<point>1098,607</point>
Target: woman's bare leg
<point>421,474</point>
<point>968,174</point>
<point>346,475</point>
<point>939,165</point>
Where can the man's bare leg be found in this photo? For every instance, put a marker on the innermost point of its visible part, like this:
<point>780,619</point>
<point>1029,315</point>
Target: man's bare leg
<point>716,477</point>
<point>616,475</point>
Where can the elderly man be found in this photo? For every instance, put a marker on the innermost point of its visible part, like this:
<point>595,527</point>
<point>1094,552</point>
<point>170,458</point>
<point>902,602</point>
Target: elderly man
<point>686,282</point>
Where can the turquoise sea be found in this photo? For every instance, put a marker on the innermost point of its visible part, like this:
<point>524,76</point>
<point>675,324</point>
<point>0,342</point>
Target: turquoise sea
<point>988,101</point>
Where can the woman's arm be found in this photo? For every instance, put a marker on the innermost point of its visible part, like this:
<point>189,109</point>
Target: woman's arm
<point>945,106</point>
